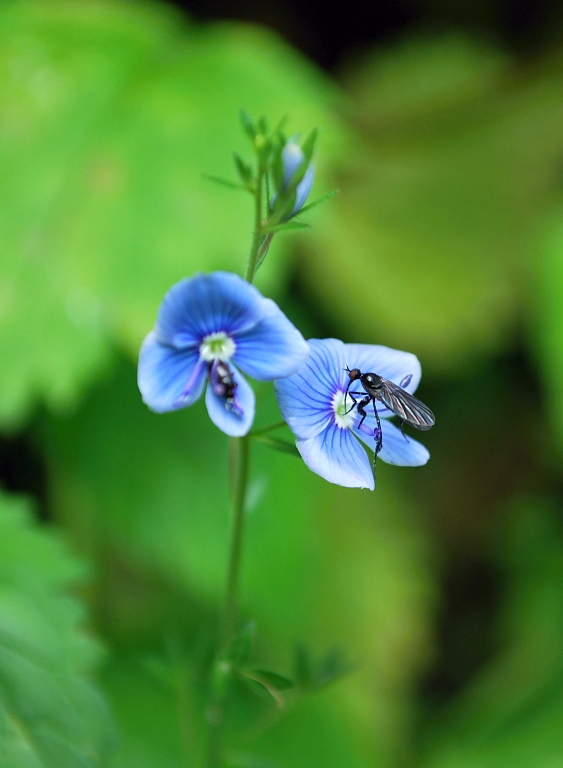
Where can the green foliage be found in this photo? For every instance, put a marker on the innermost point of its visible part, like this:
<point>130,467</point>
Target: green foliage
<point>153,495</point>
<point>511,713</point>
<point>50,714</point>
<point>112,113</point>
<point>440,200</point>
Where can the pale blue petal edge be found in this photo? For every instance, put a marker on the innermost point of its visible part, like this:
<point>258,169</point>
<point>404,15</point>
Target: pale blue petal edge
<point>338,457</point>
<point>164,373</point>
<point>303,190</point>
<point>401,450</point>
<point>228,421</point>
<point>273,348</point>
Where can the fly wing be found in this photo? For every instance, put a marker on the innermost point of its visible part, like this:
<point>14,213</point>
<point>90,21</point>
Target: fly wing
<point>405,406</point>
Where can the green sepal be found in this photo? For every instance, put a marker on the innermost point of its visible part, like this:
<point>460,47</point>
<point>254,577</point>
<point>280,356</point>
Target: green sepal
<point>268,685</point>
<point>264,692</point>
<point>275,680</point>
<point>303,669</point>
<point>241,645</point>
<point>308,145</point>
<point>226,182</point>
<point>318,201</point>
<point>247,125</point>
<point>310,674</point>
<point>276,164</point>
<point>288,225</point>
<point>244,170</point>
<point>278,445</point>
<point>331,666</point>
<point>263,147</point>
<point>262,125</point>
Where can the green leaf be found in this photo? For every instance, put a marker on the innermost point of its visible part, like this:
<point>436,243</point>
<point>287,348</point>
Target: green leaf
<point>273,679</point>
<point>308,145</point>
<point>110,125</point>
<point>244,170</point>
<point>318,201</point>
<point>50,714</point>
<point>248,125</point>
<point>278,445</point>
<point>317,547</point>
<point>263,691</point>
<point>266,684</point>
<point>303,669</point>
<point>435,229</point>
<point>224,182</point>
<point>510,713</point>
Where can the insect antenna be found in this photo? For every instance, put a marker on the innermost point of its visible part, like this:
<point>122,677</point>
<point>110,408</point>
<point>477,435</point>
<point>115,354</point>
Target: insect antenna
<point>347,388</point>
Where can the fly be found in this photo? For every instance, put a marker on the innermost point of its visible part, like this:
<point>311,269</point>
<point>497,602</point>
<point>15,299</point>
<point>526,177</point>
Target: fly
<point>409,409</point>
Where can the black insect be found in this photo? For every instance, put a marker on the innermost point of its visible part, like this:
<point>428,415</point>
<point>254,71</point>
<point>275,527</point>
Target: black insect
<point>224,385</point>
<point>409,409</point>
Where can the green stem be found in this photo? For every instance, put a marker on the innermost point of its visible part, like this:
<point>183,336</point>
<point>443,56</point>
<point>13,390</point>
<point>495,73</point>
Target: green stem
<point>239,459</point>
<point>257,237</point>
<point>221,669</point>
<point>241,447</point>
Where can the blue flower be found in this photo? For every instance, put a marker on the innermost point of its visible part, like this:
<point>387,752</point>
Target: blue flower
<point>312,403</point>
<point>208,327</point>
<point>292,158</point>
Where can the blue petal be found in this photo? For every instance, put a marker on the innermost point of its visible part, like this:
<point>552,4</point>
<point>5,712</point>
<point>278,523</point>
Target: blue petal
<point>303,189</point>
<point>166,374</point>
<point>292,156</point>
<point>273,349</point>
<point>232,422</point>
<point>204,304</point>
<point>397,448</point>
<point>337,456</point>
<point>306,398</point>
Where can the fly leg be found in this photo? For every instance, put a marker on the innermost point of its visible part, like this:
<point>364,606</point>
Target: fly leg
<point>378,436</point>
<point>361,408</point>
<point>354,401</point>
<point>402,425</point>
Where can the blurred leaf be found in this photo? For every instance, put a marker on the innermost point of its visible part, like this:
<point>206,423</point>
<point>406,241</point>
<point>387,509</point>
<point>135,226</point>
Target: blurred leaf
<point>273,679</point>
<point>278,445</point>
<point>264,690</point>
<point>428,245</point>
<point>50,715</point>
<point>111,112</point>
<point>158,727</point>
<point>547,315</point>
<point>310,674</point>
<point>346,568</point>
<point>511,714</point>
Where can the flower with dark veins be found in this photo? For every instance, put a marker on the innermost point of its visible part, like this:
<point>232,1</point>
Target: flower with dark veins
<point>325,423</point>
<point>208,329</point>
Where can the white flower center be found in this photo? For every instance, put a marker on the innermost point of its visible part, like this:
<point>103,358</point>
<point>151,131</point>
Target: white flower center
<point>343,420</point>
<point>217,346</point>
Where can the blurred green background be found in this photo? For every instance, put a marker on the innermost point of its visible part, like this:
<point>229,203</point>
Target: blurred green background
<point>441,124</point>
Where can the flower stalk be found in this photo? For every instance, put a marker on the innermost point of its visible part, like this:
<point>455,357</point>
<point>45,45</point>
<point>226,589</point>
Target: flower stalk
<point>239,459</point>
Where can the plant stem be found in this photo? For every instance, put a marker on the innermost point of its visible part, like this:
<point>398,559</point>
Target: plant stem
<point>257,237</point>
<point>240,447</point>
<point>241,450</point>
